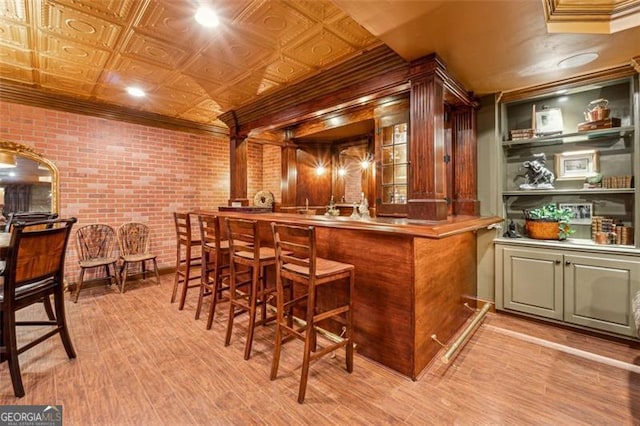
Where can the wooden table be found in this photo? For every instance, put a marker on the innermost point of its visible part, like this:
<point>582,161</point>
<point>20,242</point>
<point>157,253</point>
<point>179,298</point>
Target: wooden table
<point>412,279</point>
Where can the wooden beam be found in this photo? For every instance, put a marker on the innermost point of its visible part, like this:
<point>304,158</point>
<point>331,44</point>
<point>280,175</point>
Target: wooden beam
<point>326,123</point>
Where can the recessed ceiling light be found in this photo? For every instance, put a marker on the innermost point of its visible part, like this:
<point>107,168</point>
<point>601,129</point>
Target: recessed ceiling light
<point>135,91</point>
<point>207,17</point>
<point>577,60</point>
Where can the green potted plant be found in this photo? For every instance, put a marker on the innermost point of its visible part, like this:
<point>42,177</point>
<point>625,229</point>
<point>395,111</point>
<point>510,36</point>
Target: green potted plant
<point>548,223</point>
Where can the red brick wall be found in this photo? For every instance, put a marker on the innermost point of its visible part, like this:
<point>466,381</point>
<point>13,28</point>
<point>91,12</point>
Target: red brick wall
<point>271,166</point>
<point>113,172</point>
<point>254,174</point>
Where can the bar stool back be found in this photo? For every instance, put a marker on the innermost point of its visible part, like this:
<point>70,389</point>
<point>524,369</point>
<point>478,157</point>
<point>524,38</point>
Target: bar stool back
<point>247,256</point>
<point>297,262</point>
<point>185,258</point>
<point>215,263</point>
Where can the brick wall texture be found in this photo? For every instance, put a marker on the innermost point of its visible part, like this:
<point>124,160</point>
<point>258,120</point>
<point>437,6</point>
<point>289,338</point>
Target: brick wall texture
<point>114,172</point>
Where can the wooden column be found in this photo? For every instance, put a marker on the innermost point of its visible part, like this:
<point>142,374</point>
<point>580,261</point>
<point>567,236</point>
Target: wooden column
<point>427,177</point>
<point>289,169</point>
<point>465,193</point>
<point>238,173</point>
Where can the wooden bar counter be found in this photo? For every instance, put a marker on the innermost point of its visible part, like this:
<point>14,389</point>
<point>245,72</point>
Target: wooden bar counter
<point>412,279</point>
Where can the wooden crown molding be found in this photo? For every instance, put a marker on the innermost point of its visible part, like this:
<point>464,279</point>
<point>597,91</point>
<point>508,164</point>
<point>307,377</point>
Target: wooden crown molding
<point>26,95</point>
<point>569,83</point>
<point>454,92</point>
<point>591,16</point>
<point>374,73</point>
<point>635,63</point>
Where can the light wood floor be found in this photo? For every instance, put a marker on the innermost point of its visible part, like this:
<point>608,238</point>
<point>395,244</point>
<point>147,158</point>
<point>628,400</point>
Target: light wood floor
<point>143,362</point>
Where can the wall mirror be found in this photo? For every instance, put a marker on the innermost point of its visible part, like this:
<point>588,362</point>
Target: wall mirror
<point>28,181</point>
<point>341,151</point>
<point>353,163</point>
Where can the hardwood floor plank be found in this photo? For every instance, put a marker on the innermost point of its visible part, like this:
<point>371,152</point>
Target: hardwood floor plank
<point>141,361</point>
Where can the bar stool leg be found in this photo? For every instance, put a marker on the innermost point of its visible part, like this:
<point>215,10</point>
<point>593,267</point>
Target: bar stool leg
<point>232,307</point>
<point>176,280</point>
<point>253,301</point>
<point>217,286</point>
<point>309,343</point>
<point>187,274</point>
<point>204,276</point>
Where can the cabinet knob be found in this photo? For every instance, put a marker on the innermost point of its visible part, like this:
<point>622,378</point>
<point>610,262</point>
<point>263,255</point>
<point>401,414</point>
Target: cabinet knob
<point>567,263</point>
<point>558,261</point>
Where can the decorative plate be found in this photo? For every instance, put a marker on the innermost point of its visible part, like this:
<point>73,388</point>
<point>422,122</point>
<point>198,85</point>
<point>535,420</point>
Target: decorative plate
<point>263,199</point>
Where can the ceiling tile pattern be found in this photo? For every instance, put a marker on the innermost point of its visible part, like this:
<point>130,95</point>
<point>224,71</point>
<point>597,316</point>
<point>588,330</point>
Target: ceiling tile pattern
<point>93,49</point>
<point>62,21</point>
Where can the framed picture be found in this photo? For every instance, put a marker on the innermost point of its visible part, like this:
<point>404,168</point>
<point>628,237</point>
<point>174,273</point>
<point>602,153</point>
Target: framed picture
<point>582,212</point>
<point>576,165</point>
<point>549,122</point>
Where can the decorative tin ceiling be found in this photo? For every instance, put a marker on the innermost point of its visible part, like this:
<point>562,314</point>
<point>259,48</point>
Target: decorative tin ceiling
<point>93,49</point>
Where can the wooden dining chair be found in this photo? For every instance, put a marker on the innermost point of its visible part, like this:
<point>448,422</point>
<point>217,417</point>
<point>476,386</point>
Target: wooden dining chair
<point>34,271</point>
<point>134,242</point>
<point>96,246</point>
<point>297,263</point>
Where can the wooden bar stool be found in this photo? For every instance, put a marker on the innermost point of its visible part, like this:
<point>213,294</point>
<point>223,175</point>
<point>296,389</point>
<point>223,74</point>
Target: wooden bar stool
<point>248,257</point>
<point>215,264</point>
<point>296,262</point>
<point>185,259</point>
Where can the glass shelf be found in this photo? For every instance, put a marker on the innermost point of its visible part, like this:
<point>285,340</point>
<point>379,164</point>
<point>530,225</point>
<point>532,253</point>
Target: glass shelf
<point>571,137</point>
<point>579,191</point>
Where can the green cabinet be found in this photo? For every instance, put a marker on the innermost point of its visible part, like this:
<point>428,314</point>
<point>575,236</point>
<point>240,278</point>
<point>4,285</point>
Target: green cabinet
<point>587,289</point>
<point>598,290</point>
<point>533,282</point>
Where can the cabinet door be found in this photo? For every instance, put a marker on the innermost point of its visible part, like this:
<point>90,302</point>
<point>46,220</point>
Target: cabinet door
<point>392,152</point>
<point>598,292</point>
<point>532,282</point>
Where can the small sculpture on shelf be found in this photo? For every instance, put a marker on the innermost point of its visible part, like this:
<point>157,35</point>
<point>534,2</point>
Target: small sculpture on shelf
<point>332,210</point>
<point>511,231</point>
<point>536,174</point>
<point>361,210</point>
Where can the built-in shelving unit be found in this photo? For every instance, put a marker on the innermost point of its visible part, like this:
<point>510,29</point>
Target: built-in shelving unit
<point>590,135</point>
<point>614,151</point>
<point>585,281</point>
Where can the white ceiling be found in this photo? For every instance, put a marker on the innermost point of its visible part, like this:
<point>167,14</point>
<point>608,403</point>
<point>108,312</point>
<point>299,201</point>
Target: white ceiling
<point>495,46</point>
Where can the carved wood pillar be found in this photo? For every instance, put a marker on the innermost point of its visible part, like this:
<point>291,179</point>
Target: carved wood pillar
<point>427,175</point>
<point>465,194</point>
<point>289,169</point>
<point>238,147</point>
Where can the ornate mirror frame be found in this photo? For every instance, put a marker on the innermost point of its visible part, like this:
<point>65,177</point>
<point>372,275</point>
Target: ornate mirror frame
<point>29,153</point>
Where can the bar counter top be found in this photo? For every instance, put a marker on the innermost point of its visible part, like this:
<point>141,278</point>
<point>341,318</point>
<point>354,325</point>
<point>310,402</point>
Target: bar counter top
<point>417,228</point>
<point>414,279</point>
